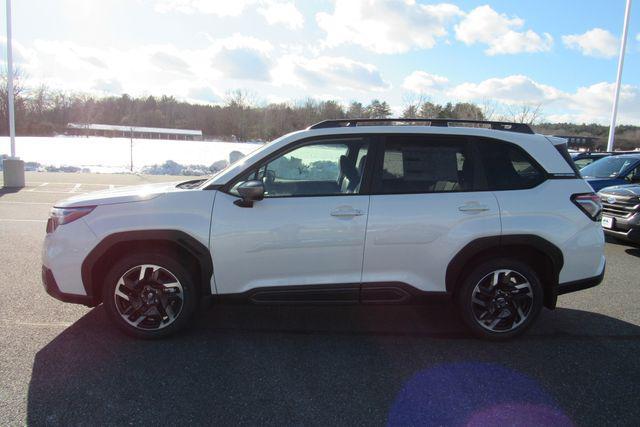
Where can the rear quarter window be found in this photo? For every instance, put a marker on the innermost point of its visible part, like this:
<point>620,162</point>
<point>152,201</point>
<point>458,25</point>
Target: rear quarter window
<point>508,167</point>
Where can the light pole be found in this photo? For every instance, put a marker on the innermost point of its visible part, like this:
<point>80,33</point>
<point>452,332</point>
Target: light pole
<point>13,167</point>
<point>623,45</point>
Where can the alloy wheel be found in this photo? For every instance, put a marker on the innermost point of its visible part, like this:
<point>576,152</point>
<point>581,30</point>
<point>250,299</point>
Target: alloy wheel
<point>502,300</point>
<point>149,297</point>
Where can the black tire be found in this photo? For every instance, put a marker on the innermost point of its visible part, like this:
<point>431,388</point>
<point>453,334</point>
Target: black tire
<point>504,299</point>
<point>188,295</point>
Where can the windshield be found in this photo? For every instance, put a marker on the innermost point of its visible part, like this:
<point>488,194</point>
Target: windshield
<point>251,155</point>
<point>608,167</point>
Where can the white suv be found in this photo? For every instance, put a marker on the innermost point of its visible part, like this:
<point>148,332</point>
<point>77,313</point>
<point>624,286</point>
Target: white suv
<point>347,211</point>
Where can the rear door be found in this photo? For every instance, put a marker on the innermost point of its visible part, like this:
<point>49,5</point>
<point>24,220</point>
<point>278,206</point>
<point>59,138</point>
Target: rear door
<point>423,210</point>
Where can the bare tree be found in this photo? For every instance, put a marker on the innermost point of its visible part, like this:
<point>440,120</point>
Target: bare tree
<point>525,113</point>
<point>488,108</point>
<point>18,99</point>
<point>241,98</point>
<point>411,104</point>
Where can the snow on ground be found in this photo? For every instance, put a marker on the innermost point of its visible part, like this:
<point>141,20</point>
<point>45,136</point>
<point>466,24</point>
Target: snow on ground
<point>100,154</point>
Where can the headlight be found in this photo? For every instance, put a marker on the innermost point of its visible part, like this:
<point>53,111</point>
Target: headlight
<point>60,216</point>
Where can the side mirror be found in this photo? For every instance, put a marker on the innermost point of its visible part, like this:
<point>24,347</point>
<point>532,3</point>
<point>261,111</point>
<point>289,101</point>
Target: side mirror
<point>250,191</point>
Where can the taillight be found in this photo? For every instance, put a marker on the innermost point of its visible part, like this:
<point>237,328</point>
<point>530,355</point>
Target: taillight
<point>60,216</point>
<point>589,203</point>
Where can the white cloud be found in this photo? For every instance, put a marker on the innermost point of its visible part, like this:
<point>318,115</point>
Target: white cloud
<point>169,62</point>
<point>327,72</point>
<point>594,102</point>
<point>587,104</point>
<point>422,82</point>
<point>278,13</point>
<point>151,69</point>
<point>108,86</point>
<point>24,59</point>
<point>203,94</point>
<point>386,26</point>
<point>187,73</point>
<point>242,57</point>
<point>596,42</point>
<point>516,89</point>
<point>499,32</point>
<point>242,63</point>
<point>238,41</point>
<point>275,12</point>
<point>219,8</point>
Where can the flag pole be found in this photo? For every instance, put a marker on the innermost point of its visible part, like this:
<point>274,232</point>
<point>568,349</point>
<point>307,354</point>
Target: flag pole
<point>13,167</point>
<point>616,96</point>
<point>12,121</point>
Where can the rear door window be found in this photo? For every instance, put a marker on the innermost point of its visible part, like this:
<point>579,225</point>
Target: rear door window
<point>424,164</point>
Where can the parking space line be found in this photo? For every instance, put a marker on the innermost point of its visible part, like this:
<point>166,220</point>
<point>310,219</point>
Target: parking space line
<point>9,323</point>
<point>21,220</point>
<point>44,184</point>
<point>50,192</point>
<point>6,202</point>
<point>75,188</point>
<point>67,182</point>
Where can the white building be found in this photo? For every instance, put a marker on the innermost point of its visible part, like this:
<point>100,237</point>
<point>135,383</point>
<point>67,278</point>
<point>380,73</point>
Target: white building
<point>132,131</point>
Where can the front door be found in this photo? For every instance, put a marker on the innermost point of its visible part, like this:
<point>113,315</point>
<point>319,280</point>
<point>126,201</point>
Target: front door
<point>308,230</point>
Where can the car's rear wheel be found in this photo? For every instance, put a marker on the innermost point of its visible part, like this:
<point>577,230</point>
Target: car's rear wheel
<point>500,299</point>
<point>149,295</point>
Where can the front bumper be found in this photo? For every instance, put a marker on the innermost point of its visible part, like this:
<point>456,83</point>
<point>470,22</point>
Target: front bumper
<point>50,285</point>
<point>630,235</point>
<point>625,228</point>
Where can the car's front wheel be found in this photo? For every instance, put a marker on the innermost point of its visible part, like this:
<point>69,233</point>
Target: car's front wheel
<point>149,295</point>
<point>500,299</point>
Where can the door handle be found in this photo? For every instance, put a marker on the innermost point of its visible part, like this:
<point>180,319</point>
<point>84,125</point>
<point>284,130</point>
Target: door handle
<point>346,212</point>
<point>473,207</point>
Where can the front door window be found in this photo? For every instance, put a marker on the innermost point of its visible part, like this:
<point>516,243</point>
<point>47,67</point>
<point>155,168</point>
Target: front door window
<point>323,168</point>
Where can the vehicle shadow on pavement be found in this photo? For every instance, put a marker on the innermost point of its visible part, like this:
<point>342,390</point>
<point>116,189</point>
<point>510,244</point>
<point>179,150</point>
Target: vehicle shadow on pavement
<point>339,365</point>
<point>633,251</point>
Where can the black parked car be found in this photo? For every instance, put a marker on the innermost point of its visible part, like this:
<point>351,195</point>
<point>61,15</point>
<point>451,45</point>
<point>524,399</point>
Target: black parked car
<point>621,211</point>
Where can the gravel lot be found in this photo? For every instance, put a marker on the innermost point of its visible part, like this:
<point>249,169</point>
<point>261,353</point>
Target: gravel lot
<point>62,364</point>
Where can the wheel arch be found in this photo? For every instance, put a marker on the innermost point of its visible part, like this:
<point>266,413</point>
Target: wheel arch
<point>543,256</point>
<point>174,242</point>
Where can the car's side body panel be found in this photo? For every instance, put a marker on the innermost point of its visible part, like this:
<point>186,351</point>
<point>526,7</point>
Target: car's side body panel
<point>547,211</point>
<point>288,241</point>
<point>64,251</point>
<point>412,237</point>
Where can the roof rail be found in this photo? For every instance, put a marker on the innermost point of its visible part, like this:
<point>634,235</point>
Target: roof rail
<point>506,126</point>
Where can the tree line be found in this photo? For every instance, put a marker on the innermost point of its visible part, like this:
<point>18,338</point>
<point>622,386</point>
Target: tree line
<point>46,112</point>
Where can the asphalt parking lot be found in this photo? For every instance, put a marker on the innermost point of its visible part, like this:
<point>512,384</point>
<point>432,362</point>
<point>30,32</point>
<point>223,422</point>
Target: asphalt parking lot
<point>63,364</point>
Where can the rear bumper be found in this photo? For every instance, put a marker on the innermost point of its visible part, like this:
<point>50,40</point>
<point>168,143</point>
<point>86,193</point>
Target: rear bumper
<point>578,285</point>
<point>50,285</point>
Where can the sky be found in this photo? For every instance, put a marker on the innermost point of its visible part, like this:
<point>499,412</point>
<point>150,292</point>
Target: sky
<point>502,54</point>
